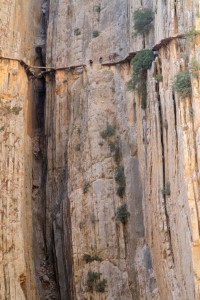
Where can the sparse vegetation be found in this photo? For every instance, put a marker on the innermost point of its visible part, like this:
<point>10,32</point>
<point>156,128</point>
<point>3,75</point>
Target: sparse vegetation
<point>94,283</point>
<point>182,84</point>
<point>140,64</point>
<point>191,33</point>
<point>101,286</point>
<point>92,279</point>
<point>114,147</point>
<point>109,131</point>
<point>117,153</point>
<point>111,146</point>
<point>97,8</point>
<point>2,128</point>
<point>86,187</point>
<point>95,33</point>
<point>119,175</point>
<point>166,189</point>
<point>77,31</point>
<point>81,224</point>
<point>90,258</point>
<point>121,180</point>
<point>8,110</point>
<point>16,110</point>
<point>159,77</point>
<point>143,18</point>
<point>195,68</point>
<point>122,213</point>
<point>121,191</point>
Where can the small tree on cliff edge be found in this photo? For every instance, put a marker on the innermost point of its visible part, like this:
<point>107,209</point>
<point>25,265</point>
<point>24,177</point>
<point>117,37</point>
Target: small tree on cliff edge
<point>143,18</point>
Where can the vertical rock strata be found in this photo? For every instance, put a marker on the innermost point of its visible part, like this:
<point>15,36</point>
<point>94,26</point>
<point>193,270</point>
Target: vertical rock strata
<point>59,192</point>
<point>17,281</point>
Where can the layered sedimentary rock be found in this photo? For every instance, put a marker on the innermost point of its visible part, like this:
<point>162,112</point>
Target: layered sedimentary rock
<point>71,173</point>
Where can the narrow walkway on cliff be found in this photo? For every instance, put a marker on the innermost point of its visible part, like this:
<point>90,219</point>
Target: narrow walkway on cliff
<point>29,69</point>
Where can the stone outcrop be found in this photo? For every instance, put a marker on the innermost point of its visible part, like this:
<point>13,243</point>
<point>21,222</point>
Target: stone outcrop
<point>69,129</point>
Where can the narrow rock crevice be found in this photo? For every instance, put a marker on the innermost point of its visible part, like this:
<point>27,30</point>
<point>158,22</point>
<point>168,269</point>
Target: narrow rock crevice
<point>166,184</point>
<point>47,266</point>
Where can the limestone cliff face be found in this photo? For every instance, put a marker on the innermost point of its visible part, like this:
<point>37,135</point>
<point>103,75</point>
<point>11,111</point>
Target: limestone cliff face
<point>58,171</point>
<point>18,34</point>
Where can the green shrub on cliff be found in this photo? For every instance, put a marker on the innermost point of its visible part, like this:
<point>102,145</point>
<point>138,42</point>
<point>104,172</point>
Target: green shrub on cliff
<point>122,213</point>
<point>77,31</point>
<point>101,286</point>
<point>143,18</point>
<point>90,258</point>
<point>121,191</point>
<point>182,84</point>
<point>98,8</point>
<point>92,279</point>
<point>119,175</point>
<point>140,64</point>
<point>166,189</point>
<point>86,187</point>
<point>121,180</point>
<point>94,283</point>
<point>158,77</point>
<point>95,33</point>
<point>109,131</point>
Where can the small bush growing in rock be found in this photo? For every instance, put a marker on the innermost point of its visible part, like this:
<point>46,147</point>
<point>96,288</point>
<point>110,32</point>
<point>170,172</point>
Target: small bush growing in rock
<point>121,191</point>
<point>86,187</point>
<point>143,18</point>
<point>98,8</point>
<point>94,283</point>
<point>92,279</point>
<point>191,33</point>
<point>90,258</point>
<point>182,84</point>
<point>81,224</point>
<point>16,110</point>
<point>144,100</point>
<point>159,77</point>
<point>109,131</point>
<point>122,213</point>
<point>95,33</point>
<point>119,175</point>
<point>117,153</point>
<point>195,68</point>
<point>140,64</point>
<point>2,128</point>
<point>111,146</point>
<point>114,147</point>
<point>101,286</point>
<point>166,189</point>
<point>77,31</point>
<point>121,180</point>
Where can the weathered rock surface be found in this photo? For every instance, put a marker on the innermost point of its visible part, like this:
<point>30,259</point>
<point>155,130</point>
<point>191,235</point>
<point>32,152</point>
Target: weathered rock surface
<point>70,174</point>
